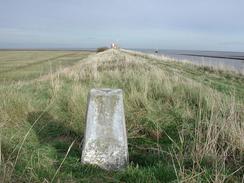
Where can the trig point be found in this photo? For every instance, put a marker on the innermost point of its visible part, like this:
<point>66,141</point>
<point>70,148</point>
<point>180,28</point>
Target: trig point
<point>105,143</point>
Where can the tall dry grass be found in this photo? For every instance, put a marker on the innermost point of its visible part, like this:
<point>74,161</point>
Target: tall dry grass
<point>218,133</point>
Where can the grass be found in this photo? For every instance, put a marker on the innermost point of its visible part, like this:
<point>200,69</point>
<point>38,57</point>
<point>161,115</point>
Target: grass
<point>184,123</point>
<point>22,65</point>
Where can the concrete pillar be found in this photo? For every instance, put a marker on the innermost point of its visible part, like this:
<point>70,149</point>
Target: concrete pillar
<point>105,142</point>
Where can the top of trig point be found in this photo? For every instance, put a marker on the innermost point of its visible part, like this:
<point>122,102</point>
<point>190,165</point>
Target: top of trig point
<point>105,91</point>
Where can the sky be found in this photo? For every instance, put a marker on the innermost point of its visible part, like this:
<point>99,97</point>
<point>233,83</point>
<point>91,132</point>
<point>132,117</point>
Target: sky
<point>149,24</point>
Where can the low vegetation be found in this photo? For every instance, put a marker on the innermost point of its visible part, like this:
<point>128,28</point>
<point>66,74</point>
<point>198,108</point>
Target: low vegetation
<point>185,123</point>
<point>101,49</point>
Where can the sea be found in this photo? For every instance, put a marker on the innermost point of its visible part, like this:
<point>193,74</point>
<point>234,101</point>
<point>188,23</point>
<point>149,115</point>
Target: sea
<point>218,59</point>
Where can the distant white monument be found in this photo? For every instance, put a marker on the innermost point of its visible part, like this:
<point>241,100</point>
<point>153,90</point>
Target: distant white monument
<point>105,142</point>
<point>114,46</point>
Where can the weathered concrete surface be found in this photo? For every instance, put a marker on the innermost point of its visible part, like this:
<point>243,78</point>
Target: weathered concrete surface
<point>105,142</point>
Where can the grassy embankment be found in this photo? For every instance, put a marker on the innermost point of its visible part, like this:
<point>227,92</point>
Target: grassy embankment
<point>185,123</point>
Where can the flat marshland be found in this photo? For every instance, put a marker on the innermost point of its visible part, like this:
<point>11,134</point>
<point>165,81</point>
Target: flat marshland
<point>185,123</point>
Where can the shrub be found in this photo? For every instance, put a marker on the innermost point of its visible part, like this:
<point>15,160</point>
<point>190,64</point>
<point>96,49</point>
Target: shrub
<point>101,49</point>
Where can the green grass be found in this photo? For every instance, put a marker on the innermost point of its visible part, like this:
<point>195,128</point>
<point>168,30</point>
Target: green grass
<point>184,123</point>
<point>23,65</point>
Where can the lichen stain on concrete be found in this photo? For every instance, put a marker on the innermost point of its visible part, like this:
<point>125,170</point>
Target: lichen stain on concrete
<point>105,106</point>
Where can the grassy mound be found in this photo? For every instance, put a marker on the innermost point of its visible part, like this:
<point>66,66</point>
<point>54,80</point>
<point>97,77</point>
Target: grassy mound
<point>184,123</point>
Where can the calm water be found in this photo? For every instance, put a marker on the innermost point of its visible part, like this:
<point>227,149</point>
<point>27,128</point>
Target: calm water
<point>225,60</point>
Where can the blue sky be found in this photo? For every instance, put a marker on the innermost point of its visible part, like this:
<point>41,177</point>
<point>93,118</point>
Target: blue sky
<point>162,24</point>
